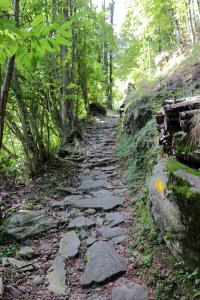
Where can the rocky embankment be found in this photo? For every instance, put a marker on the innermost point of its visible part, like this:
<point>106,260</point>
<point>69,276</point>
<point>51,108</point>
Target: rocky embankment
<point>174,187</point>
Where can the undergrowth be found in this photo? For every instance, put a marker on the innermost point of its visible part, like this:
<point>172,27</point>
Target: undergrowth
<point>138,153</point>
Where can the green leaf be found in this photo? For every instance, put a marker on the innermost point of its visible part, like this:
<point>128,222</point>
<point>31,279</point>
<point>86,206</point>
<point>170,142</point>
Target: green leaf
<point>39,19</point>
<point>34,61</point>
<point>10,26</point>
<point>61,41</point>
<point>4,5</point>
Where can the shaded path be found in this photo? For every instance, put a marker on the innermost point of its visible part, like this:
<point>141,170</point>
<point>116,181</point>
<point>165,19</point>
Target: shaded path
<point>88,256</point>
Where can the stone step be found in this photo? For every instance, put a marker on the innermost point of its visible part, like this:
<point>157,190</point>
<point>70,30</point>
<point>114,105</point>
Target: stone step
<point>103,262</point>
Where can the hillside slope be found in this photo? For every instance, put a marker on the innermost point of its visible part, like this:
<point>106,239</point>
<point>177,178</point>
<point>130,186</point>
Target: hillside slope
<point>140,151</point>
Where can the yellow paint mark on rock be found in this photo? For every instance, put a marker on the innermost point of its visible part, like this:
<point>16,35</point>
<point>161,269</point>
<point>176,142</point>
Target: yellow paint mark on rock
<point>160,185</point>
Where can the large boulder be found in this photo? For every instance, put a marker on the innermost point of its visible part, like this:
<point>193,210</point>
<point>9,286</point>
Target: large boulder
<point>97,109</point>
<point>25,223</point>
<point>137,116</point>
<point>175,205</point>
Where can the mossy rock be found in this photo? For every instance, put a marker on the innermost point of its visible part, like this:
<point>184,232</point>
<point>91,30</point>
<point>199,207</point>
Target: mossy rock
<point>24,223</point>
<point>176,209</point>
<point>137,115</point>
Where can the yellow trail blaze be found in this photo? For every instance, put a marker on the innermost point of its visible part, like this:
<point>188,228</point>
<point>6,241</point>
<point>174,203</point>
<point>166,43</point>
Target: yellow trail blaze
<point>160,185</point>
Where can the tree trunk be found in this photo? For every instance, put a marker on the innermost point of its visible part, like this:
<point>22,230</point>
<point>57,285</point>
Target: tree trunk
<point>7,79</point>
<point>110,96</point>
<point>191,25</point>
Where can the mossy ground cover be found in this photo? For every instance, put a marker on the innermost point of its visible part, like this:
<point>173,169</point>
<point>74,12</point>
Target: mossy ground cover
<point>173,165</point>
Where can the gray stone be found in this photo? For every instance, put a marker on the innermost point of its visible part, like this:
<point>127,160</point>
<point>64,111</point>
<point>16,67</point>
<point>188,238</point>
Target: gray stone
<point>26,252</point>
<point>102,176</point>
<point>81,222</point>
<point>164,208</point>
<point>194,181</point>
<point>103,263</point>
<point>136,117</point>
<point>63,216</point>
<point>90,184</point>
<point>24,223</point>
<point>104,162</point>
<point>136,292</point>
<point>97,297</point>
<point>99,200</point>
<point>1,288</point>
<point>90,241</point>
<point>20,265</point>
<point>44,246</point>
<point>109,169</point>
<point>107,232</point>
<point>99,221</point>
<point>93,234</point>
<point>37,280</point>
<point>114,218</point>
<point>69,244</point>
<point>90,211</point>
<point>176,211</point>
<point>57,276</point>
<point>119,239</point>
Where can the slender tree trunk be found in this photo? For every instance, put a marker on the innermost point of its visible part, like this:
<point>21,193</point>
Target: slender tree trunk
<point>24,116</point>
<point>7,79</point>
<point>105,57</point>
<point>65,81</point>
<point>191,25</point>
<point>72,77</point>
<point>83,84</point>
<point>110,96</point>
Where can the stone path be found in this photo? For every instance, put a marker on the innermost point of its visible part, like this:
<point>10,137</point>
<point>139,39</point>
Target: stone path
<point>84,253</point>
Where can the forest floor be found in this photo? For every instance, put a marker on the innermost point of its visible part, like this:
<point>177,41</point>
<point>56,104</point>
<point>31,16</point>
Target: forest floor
<point>86,254</point>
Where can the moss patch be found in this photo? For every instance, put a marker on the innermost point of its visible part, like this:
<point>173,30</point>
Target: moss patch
<point>181,143</point>
<point>173,165</point>
<point>138,154</point>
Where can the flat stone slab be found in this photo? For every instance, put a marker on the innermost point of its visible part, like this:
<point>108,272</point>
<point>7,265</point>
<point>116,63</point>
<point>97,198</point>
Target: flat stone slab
<point>99,221</point>
<point>90,211</point>
<point>90,184</point>
<point>99,200</point>
<point>136,292</point>
<point>63,216</point>
<point>101,176</point>
<point>26,252</point>
<point>114,218</point>
<point>81,222</point>
<point>21,266</point>
<point>57,276</point>
<point>90,241</point>
<point>69,245</point>
<point>25,223</point>
<point>104,162</point>
<point>103,263</point>
<point>107,232</point>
